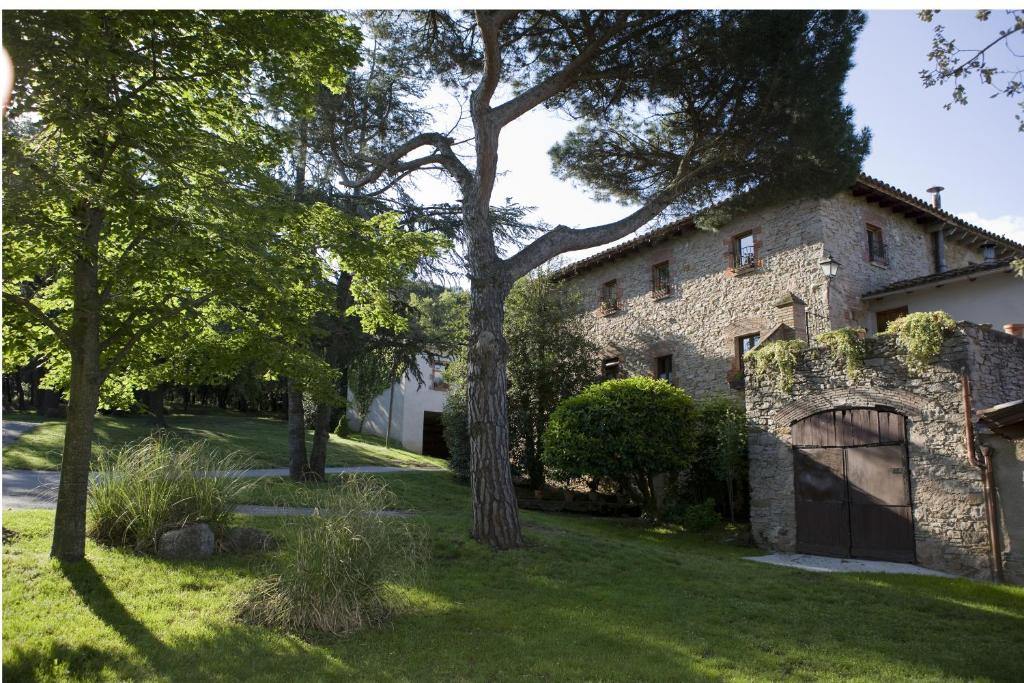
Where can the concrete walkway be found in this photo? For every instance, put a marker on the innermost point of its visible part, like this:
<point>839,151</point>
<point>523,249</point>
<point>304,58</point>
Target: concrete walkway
<point>817,563</point>
<point>28,489</point>
<point>13,430</point>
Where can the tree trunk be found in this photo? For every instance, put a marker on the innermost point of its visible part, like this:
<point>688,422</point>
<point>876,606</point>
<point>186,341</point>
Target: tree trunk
<point>495,514</point>
<point>391,405</point>
<point>155,402</point>
<point>321,434</point>
<point>84,392</point>
<point>296,433</point>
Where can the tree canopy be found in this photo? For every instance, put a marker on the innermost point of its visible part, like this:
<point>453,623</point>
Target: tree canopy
<point>143,208</point>
<point>678,111</point>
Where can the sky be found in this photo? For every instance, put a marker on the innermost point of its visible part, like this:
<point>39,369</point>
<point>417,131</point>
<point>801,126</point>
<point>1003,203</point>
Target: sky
<point>975,152</point>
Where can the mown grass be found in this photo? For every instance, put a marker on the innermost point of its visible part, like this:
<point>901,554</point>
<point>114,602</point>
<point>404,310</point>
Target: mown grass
<point>263,439</point>
<point>589,599</point>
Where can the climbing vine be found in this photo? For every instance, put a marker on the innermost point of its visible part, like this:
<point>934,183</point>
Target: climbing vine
<point>846,343</point>
<point>921,335</point>
<point>776,358</point>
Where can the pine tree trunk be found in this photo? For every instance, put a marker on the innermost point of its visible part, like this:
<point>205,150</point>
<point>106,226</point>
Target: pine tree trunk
<point>296,433</point>
<point>84,390</point>
<point>495,514</point>
<point>321,433</point>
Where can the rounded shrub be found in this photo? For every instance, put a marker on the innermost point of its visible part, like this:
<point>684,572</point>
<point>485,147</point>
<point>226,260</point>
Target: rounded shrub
<point>628,431</point>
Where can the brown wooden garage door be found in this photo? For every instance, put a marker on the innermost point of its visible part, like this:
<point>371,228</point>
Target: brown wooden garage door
<point>852,485</point>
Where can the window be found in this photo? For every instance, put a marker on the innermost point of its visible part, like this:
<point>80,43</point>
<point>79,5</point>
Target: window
<point>663,367</point>
<point>660,279</point>
<point>610,368</point>
<point>876,247</point>
<point>437,370</point>
<point>744,251</point>
<point>746,343</point>
<point>610,296</point>
<point>883,318</point>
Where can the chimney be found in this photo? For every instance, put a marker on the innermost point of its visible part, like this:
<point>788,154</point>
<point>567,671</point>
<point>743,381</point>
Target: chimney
<point>988,250</point>
<point>936,195</point>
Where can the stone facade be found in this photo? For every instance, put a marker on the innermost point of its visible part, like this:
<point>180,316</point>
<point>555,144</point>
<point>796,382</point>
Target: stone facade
<point>711,305</point>
<point>950,525</point>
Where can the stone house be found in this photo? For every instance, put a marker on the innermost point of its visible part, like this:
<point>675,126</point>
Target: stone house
<point>685,304</point>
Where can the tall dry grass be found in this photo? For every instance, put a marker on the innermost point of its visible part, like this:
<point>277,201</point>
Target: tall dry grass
<point>161,482</point>
<point>336,574</point>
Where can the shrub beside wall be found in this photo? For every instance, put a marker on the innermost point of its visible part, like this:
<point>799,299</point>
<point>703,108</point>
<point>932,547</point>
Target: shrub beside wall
<point>626,431</point>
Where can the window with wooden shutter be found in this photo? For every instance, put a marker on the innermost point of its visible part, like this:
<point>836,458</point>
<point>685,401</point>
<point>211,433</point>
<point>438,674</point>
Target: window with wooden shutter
<point>663,368</point>
<point>875,245</point>
<point>660,274</point>
<point>744,251</point>
<point>610,297</point>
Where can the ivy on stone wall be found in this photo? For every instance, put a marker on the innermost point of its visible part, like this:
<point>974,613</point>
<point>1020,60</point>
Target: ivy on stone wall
<point>846,343</point>
<point>921,335</point>
<point>776,358</point>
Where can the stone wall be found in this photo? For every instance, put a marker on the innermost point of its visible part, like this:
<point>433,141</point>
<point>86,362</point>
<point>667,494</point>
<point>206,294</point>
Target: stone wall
<point>710,306</point>
<point>909,251</point>
<point>950,527</point>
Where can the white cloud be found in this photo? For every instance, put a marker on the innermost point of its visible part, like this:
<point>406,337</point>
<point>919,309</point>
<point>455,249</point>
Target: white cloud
<point>1007,226</point>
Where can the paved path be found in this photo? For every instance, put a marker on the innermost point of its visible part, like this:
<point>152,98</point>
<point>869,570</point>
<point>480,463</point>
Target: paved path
<point>27,489</point>
<point>816,563</point>
<point>13,430</point>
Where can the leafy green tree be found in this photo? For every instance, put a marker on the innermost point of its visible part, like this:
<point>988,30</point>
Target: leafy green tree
<point>1002,73</point>
<point>628,431</point>
<point>369,375</point>
<point>550,358</point>
<point>138,189</point>
<point>677,110</point>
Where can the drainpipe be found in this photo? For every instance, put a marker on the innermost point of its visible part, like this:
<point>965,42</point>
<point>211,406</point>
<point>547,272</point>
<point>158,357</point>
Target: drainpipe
<point>984,463</point>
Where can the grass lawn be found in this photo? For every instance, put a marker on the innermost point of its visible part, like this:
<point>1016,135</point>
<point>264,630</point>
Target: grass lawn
<point>264,439</point>
<point>596,599</point>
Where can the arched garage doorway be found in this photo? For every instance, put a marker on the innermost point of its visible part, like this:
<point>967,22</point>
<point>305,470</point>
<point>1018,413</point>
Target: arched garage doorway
<point>852,485</point>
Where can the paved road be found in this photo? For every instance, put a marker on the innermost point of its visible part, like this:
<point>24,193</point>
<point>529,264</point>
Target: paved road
<point>27,489</point>
<point>12,430</point>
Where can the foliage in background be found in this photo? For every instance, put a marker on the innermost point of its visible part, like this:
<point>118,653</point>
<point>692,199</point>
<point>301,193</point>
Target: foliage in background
<point>921,336</point>
<point>160,483</point>
<point>719,469</point>
<point>776,358</point>
<point>336,574</point>
<point>455,418</point>
<point>1005,75</point>
<point>627,431</point>
<point>846,344</point>
<point>550,358</point>
<point>701,517</point>
<point>369,375</point>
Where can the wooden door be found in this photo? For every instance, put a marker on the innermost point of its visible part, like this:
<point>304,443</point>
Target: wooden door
<point>852,485</point>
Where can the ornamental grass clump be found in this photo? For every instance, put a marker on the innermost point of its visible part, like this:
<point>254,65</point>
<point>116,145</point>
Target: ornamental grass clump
<point>847,344</point>
<point>341,566</point>
<point>776,358</point>
<point>160,483</point>
<point>921,335</point>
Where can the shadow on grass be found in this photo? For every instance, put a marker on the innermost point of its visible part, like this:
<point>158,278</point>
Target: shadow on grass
<point>97,596</point>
